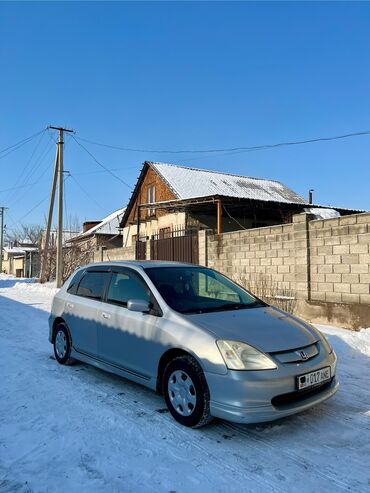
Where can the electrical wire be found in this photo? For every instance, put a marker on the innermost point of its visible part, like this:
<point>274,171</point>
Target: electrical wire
<point>33,208</point>
<point>100,164</point>
<point>228,149</point>
<point>34,169</point>
<point>19,144</point>
<point>87,194</point>
<point>233,218</point>
<point>28,162</point>
<point>103,170</point>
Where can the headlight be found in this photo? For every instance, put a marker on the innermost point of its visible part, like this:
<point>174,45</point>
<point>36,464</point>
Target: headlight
<point>241,356</point>
<point>326,344</point>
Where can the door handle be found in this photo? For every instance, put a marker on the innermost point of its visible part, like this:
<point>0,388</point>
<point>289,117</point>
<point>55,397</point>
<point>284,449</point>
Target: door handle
<point>70,305</point>
<point>105,315</point>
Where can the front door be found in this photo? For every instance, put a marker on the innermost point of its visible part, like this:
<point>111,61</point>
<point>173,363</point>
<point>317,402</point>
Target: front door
<point>127,339</point>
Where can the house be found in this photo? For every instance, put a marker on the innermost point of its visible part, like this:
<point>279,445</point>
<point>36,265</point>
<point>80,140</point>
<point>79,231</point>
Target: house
<point>169,197</point>
<point>67,235</point>
<point>21,261</point>
<point>100,234</point>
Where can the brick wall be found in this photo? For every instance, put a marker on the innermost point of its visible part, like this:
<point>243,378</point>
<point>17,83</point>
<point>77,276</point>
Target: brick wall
<point>324,264</point>
<point>340,258</point>
<point>102,255</point>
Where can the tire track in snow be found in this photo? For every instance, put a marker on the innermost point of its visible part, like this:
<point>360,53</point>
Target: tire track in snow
<point>189,439</point>
<point>333,476</point>
<point>214,432</point>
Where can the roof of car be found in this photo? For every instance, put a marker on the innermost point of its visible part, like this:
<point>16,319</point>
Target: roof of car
<point>146,264</point>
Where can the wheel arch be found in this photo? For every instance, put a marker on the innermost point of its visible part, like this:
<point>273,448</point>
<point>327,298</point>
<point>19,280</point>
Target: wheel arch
<point>166,357</point>
<point>57,321</point>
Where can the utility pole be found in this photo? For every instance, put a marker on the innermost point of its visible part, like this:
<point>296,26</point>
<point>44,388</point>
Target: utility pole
<point>44,258</point>
<point>59,160</point>
<point>2,211</point>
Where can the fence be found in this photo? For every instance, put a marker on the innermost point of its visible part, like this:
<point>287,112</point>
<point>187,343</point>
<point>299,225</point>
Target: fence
<point>179,245</point>
<point>324,264</point>
<point>321,268</point>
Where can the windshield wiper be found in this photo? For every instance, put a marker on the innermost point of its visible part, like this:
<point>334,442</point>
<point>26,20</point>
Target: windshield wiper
<point>236,306</point>
<point>224,307</point>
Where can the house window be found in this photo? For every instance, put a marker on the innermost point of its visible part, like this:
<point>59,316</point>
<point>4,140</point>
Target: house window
<point>165,233</point>
<point>151,199</point>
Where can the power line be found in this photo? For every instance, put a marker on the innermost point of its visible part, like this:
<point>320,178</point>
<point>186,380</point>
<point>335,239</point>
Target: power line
<point>26,172</point>
<point>33,208</point>
<point>103,170</point>
<point>19,144</point>
<point>87,194</point>
<point>33,169</point>
<point>227,149</point>
<point>100,164</point>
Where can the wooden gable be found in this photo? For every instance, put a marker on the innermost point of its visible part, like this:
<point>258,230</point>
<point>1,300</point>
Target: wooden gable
<point>147,180</point>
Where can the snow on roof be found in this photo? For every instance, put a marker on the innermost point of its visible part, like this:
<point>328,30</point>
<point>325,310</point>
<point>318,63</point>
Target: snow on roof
<point>108,226</point>
<point>19,250</point>
<point>323,212</point>
<point>187,183</point>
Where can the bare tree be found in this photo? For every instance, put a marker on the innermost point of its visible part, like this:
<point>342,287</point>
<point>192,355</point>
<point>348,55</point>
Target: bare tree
<point>74,255</point>
<point>270,291</point>
<point>25,233</point>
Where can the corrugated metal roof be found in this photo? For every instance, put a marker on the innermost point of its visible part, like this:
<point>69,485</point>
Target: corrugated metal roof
<point>108,226</point>
<point>187,183</point>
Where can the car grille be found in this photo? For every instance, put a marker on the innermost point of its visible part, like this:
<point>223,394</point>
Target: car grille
<point>296,397</point>
<point>297,355</point>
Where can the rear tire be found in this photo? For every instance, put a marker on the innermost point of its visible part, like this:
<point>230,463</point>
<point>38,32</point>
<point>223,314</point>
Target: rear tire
<point>62,345</point>
<point>186,392</point>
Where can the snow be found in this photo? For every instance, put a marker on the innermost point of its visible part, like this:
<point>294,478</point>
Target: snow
<point>323,212</point>
<point>79,429</point>
<point>189,183</point>
<point>21,250</point>
<point>108,226</point>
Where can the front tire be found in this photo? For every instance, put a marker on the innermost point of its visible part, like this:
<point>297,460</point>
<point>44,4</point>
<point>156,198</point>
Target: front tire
<point>186,392</point>
<point>62,345</point>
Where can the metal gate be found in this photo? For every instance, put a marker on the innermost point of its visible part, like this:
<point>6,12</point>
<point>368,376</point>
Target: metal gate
<point>140,250</point>
<point>180,245</point>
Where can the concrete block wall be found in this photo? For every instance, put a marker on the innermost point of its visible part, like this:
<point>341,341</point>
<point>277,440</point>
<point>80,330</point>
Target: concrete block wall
<point>340,259</point>
<point>102,255</point>
<point>248,256</point>
<point>325,263</point>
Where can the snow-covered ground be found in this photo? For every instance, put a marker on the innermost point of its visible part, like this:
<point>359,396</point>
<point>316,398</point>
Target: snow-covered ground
<point>79,429</point>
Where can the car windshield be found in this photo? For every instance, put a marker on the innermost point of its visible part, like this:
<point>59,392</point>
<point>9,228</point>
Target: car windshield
<point>199,290</point>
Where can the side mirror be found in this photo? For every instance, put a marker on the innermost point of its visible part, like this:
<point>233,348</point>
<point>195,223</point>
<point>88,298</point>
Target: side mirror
<point>141,306</point>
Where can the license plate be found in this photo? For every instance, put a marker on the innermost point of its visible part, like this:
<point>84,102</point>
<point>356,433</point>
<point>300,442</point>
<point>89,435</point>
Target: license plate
<point>314,378</point>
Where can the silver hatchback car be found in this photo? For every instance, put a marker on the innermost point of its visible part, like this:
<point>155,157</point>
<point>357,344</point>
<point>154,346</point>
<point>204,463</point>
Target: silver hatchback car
<point>208,345</point>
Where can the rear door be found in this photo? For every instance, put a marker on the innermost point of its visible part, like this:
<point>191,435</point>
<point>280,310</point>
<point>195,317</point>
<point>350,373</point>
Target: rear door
<point>127,339</point>
<point>81,310</point>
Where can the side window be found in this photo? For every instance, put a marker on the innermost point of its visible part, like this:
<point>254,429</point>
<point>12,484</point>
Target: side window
<point>207,286</point>
<point>74,283</point>
<point>92,285</point>
<point>126,286</point>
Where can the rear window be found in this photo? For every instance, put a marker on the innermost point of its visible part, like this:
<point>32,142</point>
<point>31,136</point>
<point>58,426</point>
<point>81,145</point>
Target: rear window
<point>74,283</point>
<point>92,285</point>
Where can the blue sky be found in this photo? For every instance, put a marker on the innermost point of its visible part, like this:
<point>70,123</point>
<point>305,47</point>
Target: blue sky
<point>176,75</point>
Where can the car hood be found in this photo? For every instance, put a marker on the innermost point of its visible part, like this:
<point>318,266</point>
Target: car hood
<point>265,328</point>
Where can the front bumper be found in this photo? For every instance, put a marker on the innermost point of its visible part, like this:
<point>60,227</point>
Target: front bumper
<point>258,396</point>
